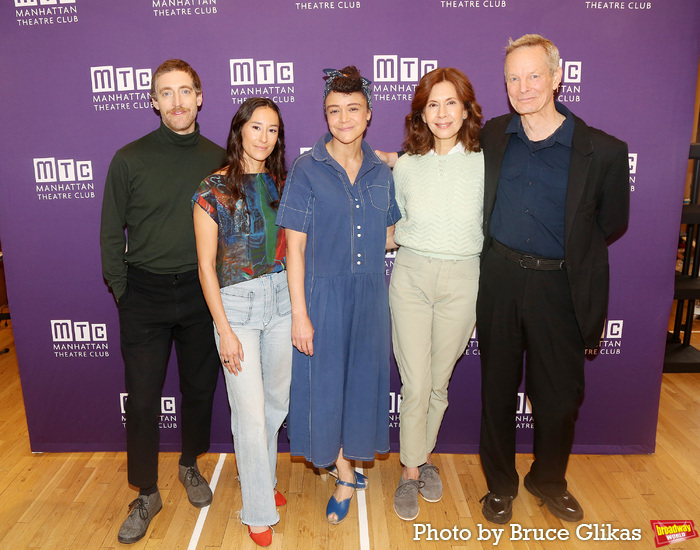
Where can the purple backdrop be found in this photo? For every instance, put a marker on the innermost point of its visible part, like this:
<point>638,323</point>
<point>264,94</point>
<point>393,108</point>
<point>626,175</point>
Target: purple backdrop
<point>77,75</point>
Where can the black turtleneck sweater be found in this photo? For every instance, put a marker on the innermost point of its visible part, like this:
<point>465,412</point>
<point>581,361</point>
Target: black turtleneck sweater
<point>149,188</point>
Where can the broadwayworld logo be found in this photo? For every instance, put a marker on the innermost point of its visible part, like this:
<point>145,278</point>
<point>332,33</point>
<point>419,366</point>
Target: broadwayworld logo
<point>63,179</point>
<point>669,532</point>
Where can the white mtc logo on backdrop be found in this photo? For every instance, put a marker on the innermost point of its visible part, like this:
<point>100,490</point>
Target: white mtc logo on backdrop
<point>394,409</point>
<point>168,413</point>
<point>63,179</point>
<point>178,8</point>
<point>608,6</point>
<point>570,88</point>
<point>335,4</point>
<point>29,13</point>
<point>268,78</point>
<point>610,340</point>
<point>473,3</point>
<point>633,170</point>
<point>120,88</point>
<point>523,413</point>
<point>396,78</point>
<point>32,3</point>
<point>72,339</point>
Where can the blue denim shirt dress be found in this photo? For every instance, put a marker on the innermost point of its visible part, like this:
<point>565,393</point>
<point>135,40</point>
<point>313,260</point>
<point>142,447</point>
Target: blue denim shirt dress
<point>340,395</point>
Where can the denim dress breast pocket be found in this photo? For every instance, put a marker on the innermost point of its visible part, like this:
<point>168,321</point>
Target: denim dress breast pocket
<point>379,195</point>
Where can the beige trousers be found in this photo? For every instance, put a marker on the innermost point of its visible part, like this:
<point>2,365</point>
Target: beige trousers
<point>433,311</point>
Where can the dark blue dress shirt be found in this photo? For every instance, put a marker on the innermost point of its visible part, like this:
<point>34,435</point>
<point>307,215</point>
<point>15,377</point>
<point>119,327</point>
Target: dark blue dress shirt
<point>529,212</point>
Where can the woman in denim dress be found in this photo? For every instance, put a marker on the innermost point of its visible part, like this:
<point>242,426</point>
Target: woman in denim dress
<point>338,209</point>
<point>241,255</point>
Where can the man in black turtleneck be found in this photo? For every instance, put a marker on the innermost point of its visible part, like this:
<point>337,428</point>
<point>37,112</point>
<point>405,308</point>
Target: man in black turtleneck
<point>152,271</point>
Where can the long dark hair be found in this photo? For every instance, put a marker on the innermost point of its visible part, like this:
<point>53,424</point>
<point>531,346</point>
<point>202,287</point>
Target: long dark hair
<point>234,169</point>
<point>419,138</point>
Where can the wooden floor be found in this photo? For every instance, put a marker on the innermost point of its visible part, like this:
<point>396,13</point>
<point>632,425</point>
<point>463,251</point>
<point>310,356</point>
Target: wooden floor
<point>78,500</point>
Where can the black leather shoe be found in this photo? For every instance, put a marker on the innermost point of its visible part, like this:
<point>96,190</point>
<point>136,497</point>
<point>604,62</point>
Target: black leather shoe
<point>497,509</point>
<point>564,506</point>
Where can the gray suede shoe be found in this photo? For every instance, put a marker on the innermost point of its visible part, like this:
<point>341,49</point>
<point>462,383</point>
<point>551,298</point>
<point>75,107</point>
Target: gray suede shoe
<point>431,490</point>
<point>406,499</point>
<point>198,491</point>
<point>141,512</point>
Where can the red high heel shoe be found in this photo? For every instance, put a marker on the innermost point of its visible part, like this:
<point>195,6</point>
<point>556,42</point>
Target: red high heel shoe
<point>279,499</point>
<point>262,539</point>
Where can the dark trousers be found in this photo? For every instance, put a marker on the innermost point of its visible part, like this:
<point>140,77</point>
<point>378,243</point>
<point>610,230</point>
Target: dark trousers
<point>527,312</point>
<point>154,311</point>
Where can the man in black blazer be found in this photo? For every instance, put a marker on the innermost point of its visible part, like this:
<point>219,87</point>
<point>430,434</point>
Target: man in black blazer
<point>555,190</point>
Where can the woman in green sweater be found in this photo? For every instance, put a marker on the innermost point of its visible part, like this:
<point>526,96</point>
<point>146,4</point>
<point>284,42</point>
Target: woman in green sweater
<point>432,295</point>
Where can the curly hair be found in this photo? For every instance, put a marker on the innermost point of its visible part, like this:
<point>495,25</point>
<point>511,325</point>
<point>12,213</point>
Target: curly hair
<point>348,82</point>
<point>234,168</point>
<point>419,139</point>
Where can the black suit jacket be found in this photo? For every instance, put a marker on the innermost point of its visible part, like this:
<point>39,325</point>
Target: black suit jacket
<point>597,206</point>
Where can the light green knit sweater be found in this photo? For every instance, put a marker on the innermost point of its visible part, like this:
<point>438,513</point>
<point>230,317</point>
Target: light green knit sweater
<point>441,199</point>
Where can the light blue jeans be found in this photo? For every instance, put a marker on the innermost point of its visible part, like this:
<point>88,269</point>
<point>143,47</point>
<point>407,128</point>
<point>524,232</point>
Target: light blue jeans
<point>259,312</point>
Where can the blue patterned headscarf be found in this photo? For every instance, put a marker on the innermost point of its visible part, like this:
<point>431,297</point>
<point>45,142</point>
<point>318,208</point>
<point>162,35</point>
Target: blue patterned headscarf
<point>332,74</point>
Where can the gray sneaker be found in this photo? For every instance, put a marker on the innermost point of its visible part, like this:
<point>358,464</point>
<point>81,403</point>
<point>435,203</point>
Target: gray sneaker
<point>141,512</point>
<point>406,499</point>
<point>431,490</point>
<point>198,491</point>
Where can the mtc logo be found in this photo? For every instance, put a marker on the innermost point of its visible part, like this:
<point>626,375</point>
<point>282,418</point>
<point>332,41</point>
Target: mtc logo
<point>392,68</point>
<point>524,406</point>
<point>30,3</point>
<point>633,163</point>
<point>78,331</point>
<point>247,72</point>
<point>167,404</point>
<point>613,329</point>
<point>121,79</point>
<point>571,71</point>
<point>50,170</point>
<point>394,402</point>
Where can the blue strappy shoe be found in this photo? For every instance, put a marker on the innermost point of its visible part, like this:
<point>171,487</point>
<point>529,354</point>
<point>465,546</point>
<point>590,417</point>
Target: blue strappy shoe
<point>340,509</point>
<point>360,480</point>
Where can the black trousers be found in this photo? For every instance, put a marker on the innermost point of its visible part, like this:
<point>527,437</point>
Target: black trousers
<point>523,312</point>
<point>154,311</point>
